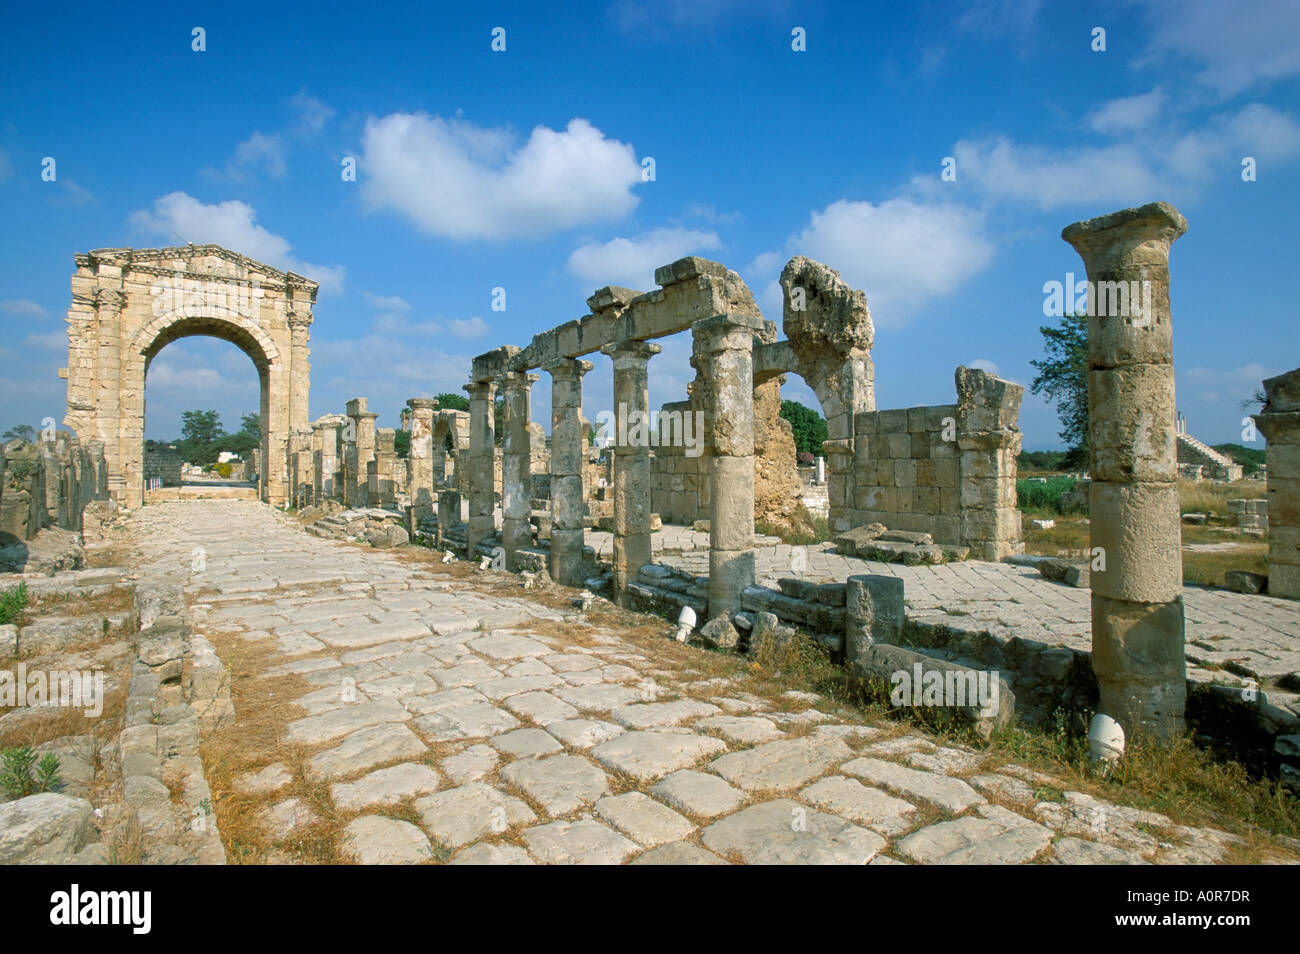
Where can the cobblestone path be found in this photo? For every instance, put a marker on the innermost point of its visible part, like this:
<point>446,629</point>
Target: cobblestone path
<point>451,724</point>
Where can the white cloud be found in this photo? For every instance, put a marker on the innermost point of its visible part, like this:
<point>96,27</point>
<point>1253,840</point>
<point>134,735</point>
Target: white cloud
<point>387,302</point>
<point>47,341</point>
<point>902,252</point>
<point>1127,114</point>
<point>312,113</point>
<point>22,307</point>
<point>631,262</point>
<point>1237,46</point>
<point>984,364</point>
<point>461,181</point>
<point>1154,164</point>
<point>467,329</point>
<point>179,217</point>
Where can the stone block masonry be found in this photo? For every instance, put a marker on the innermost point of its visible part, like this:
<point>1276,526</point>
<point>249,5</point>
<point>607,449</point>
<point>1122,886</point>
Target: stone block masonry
<point>948,470</point>
<point>1279,422</point>
<point>128,304</point>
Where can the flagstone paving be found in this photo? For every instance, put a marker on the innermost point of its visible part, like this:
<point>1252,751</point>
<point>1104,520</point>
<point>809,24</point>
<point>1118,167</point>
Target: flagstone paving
<point>447,729</point>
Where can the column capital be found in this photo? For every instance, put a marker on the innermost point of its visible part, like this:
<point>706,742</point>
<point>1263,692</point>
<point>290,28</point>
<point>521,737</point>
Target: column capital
<point>631,348</point>
<point>422,404</point>
<point>569,367</point>
<point>1279,428</point>
<point>1138,236</point>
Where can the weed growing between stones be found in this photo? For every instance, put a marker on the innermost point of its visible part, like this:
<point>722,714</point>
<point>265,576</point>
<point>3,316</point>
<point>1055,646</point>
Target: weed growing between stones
<point>23,774</point>
<point>12,603</point>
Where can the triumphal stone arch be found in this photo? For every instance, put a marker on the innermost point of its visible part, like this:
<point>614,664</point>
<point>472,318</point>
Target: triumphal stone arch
<point>128,304</point>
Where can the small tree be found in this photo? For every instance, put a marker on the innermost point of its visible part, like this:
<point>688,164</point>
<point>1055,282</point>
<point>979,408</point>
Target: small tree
<point>21,432</point>
<point>1063,379</point>
<point>201,433</point>
<point>452,401</point>
<point>808,426</point>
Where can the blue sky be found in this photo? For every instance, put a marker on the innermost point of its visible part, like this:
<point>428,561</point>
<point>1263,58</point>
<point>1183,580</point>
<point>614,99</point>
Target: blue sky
<point>522,170</point>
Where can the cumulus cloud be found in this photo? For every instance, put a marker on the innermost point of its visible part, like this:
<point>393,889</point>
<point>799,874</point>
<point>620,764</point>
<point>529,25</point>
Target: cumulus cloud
<point>457,180</point>
<point>259,153</point>
<point>467,329</point>
<point>902,253</point>
<point>179,217</point>
<point>631,262</point>
<point>1127,171</point>
<point>312,113</point>
<point>22,307</point>
<point>1128,113</point>
<point>1236,47</point>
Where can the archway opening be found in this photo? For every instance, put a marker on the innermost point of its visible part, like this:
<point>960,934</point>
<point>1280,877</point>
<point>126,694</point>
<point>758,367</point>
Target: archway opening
<point>206,410</point>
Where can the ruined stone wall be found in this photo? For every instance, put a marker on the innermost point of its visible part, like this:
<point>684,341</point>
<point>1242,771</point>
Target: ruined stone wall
<point>163,463</point>
<point>948,470</point>
<point>49,484</point>
<point>679,487</point>
<point>906,475</point>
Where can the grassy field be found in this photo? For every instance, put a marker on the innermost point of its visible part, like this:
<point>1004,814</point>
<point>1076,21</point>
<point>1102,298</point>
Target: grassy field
<point>1209,551</point>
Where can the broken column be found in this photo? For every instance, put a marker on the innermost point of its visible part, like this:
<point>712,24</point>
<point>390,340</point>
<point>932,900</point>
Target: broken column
<point>420,457</point>
<point>380,472</point>
<point>481,482</point>
<point>1137,575</point>
<point>723,346</point>
<point>989,440</point>
<point>631,459</point>
<point>830,331</point>
<point>1279,422</point>
<point>360,451</point>
<point>328,478</point>
<point>568,433</point>
<point>516,471</point>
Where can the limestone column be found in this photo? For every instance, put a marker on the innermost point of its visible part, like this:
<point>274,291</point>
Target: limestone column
<point>1279,422</point>
<point>1137,576</point>
<point>363,420</point>
<point>724,347</point>
<point>299,365</point>
<point>481,483</point>
<point>568,433</point>
<point>380,487</point>
<point>125,469</point>
<point>419,459</point>
<point>631,459</point>
<point>516,470</point>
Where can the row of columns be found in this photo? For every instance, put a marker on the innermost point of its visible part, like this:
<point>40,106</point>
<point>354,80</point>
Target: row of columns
<point>726,344</point>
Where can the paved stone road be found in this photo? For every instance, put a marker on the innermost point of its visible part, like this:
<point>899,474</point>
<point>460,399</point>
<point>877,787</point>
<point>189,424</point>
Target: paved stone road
<point>520,747</point>
<point>1255,636</point>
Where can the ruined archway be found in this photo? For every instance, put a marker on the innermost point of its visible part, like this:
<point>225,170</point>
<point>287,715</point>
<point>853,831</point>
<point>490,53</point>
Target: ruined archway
<point>128,304</point>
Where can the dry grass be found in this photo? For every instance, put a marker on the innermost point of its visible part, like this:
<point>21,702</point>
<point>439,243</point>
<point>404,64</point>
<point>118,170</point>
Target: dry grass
<point>1203,496</point>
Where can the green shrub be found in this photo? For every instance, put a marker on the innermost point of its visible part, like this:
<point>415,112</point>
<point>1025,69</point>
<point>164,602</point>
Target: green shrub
<point>17,778</point>
<point>12,603</point>
<point>1043,496</point>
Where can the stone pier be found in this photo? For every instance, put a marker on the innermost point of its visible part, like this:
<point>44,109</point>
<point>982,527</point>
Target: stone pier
<point>723,346</point>
<point>631,459</point>
<point>516,470</point>
<point>568,433</point>
<point>358,451</point>
<point>302,468</point>
<point>327,454</point>
<point>420,458</point>
<point>482,482</point>
<point>1137,579</point>
<point>1279,422</point>
<point>381,471</point>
